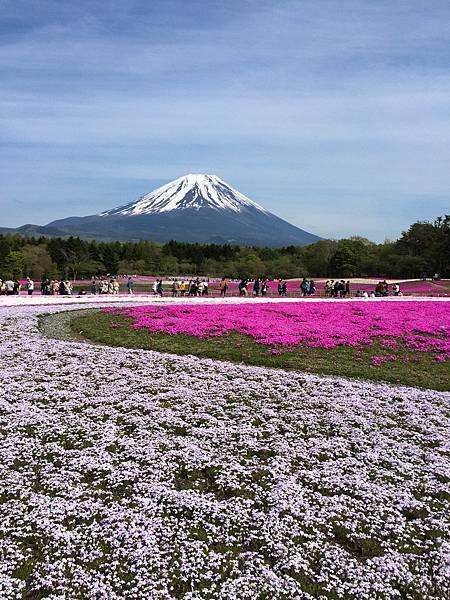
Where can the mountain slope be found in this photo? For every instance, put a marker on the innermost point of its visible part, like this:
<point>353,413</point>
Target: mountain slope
<point>194,208</point>
<point>30,230</point>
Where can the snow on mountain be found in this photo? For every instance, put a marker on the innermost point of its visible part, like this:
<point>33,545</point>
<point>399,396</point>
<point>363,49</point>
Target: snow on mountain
<point>194,209</point>
<point>193,191</point>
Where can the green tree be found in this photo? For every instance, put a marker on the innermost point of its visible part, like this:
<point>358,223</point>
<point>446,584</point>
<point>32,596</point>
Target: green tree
<point>318,256</point>
<point>348,258</point>
<point>13,265</point>
<point>38,262</point>
<point>429,241</point>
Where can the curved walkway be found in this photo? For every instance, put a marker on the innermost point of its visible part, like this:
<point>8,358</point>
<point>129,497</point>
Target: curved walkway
<point>38,300</point>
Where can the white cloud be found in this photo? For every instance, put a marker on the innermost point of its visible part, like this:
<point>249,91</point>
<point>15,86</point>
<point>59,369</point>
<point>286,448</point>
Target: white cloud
<point>328,100</point>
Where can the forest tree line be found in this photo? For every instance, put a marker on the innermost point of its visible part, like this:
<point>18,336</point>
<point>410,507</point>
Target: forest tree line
<point>422,250</point>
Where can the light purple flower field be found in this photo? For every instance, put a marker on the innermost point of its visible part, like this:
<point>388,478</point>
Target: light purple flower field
<point>128,474</point>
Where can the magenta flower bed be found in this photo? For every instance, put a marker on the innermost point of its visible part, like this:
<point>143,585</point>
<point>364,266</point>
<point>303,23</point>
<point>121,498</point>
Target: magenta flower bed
<point>421,326</point>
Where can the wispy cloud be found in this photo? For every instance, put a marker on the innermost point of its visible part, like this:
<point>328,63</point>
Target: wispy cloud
<point>305,105</point>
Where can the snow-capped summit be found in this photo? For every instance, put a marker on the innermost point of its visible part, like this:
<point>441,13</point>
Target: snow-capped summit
<point>193,191</point>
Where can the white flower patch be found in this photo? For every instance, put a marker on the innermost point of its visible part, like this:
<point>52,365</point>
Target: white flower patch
<point>129,474</point>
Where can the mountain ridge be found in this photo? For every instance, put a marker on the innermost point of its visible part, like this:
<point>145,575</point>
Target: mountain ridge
<point>194,208</point>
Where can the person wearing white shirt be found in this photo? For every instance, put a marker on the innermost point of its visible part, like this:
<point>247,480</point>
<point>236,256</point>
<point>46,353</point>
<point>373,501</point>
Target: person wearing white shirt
<point>30,286</point>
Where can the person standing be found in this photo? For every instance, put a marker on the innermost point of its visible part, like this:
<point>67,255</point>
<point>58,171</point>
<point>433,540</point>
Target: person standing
<point>45,286</point>
<point>9,287</point>
<point>130,285</point>
<point>264,287</point>
<point>159,287</point>
<point>223,285</point>
<point>193,288</point>
<point>256,286</point>
<point>304,287</point>
<point>175,288</point>
<point>66,287</point>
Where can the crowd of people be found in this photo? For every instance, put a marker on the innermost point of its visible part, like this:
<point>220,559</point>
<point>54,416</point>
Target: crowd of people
<point>307,287</point>
<point>381,289</point>
<point>179,287</point>
<point>199,287</point>
<point>337,289</point>
<point>13,287</point>
<point>259,287</point>
<point>105,286</point>
<point>194,287</point>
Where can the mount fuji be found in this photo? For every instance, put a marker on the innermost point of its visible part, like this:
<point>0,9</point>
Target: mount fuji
<point>194,208</point>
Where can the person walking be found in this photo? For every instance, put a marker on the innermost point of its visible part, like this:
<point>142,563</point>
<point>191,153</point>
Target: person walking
<point>243,287</point>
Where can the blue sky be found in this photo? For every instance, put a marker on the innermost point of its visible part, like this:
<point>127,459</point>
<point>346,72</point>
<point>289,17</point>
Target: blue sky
<point>334,114</point>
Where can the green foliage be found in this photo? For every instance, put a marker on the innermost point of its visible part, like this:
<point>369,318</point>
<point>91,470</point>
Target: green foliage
<point>38,262</point>
<point>423,249</point>
<point>429,244</point>
<point>13,264</point>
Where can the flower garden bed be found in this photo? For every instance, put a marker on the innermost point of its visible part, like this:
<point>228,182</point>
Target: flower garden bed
<point>401,342</point>
<point>127,474</point>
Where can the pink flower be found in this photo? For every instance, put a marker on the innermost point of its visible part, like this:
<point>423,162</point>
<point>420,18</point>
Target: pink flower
<point>418,326</point>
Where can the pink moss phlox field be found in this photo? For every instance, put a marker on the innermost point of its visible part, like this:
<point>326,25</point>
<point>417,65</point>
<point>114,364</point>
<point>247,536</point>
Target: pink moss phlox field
<point>422,326</point>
